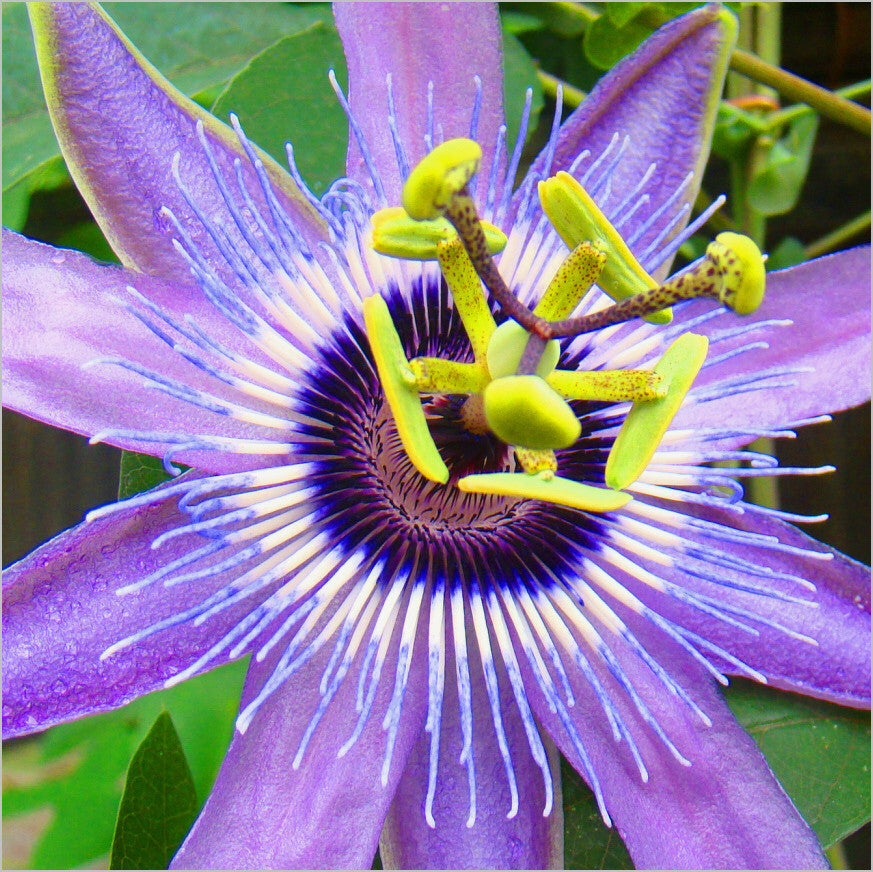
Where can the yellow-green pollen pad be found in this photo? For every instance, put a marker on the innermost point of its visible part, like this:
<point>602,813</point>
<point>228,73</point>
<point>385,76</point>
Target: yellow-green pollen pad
<point>529,410</point>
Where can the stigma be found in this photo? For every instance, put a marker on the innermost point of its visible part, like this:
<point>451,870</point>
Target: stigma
<point>514,382</point>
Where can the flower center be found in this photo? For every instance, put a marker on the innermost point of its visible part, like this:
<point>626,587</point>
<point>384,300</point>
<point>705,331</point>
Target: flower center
<point>516,391</point>
<point>360,461</point>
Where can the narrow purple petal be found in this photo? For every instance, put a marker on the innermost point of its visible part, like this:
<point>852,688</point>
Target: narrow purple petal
<point>120,122</point>
<point>447,44</point>
<point>62,310</point>
<point>664,98</point>
<point>527,841</point>
<point>264,814</point>
<point>838,667</point>
<point>828,300</point>
<point>725,811</point>
<point>61,612</point>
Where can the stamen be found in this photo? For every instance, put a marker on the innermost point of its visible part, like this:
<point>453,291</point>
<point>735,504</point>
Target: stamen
<point>578,219</point>
<point>398,383</point>
<point>395,234</point>
<point>647,422</point>
<point>561,491</point>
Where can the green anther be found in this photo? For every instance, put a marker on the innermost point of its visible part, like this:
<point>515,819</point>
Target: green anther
<point>439,176</point>
<point>610,385</point>
<point>507,346</point>
<point>468,295</point>
<point>395,234</point>
<point>562,491</point>
<point>646,423</point>
<point>523,410</point>
<point>434,375</point>
<point>574,278</point>
<point>577,218</point>
<point>394,373</point>
<point>742,271</point>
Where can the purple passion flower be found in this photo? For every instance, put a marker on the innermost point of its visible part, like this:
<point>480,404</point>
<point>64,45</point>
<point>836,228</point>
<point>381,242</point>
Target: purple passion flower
<point>420,646</point>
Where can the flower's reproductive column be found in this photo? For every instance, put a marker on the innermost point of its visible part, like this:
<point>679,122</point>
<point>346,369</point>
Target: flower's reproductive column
<point>514,388</point>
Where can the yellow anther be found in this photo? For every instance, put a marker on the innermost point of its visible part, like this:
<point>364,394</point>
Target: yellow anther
<point>395,234</point>
<point>439,176</point>
<point>646,423</point>
<point>558,490</point>
<point>394,375</point>
<point>577,218</point>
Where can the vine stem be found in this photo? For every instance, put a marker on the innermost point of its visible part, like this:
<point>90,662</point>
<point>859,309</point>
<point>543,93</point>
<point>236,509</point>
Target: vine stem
<point>794,87</point>
<point>572,95</point>
<point>837,237</point>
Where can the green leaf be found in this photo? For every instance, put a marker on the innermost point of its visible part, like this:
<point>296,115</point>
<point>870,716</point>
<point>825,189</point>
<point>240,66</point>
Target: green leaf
<point>775,187</point>
<point>606,43</point>
<point>87,237</point>
<point>789,252</point>
<point>735,130</point>
<point>301,108</point>
<point>80,767</point>
<point>159,802</point>
<point>623,26</point>
<point>519,74</point>
<point>47,176</point>
<point>519,22</point>
<point>195,45</point>
<point>139,473</point>
<point>820,753</point>
<point>588,842</point>
<point>621,13</point>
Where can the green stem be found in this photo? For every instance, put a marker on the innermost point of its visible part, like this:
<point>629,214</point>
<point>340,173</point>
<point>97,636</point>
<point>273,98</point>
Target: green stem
<point>823,101</point>
<point>720,220</point>
<point>765,26</point>
<point>836,855</point>
<point>782,116</point>
<point>836,238</point>
<point>572,95</point>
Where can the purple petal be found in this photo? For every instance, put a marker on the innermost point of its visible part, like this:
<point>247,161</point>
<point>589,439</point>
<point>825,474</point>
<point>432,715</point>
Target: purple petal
<point>417,43</point>
<point>61,612</point>
<point>838,667</point>
<point>264,814</point>
<point>119,124</point>
<point>61,310</point>
<point>663,97</point>
<point>725,811</point>
<point>527,841</point>
<point>828,299</point>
